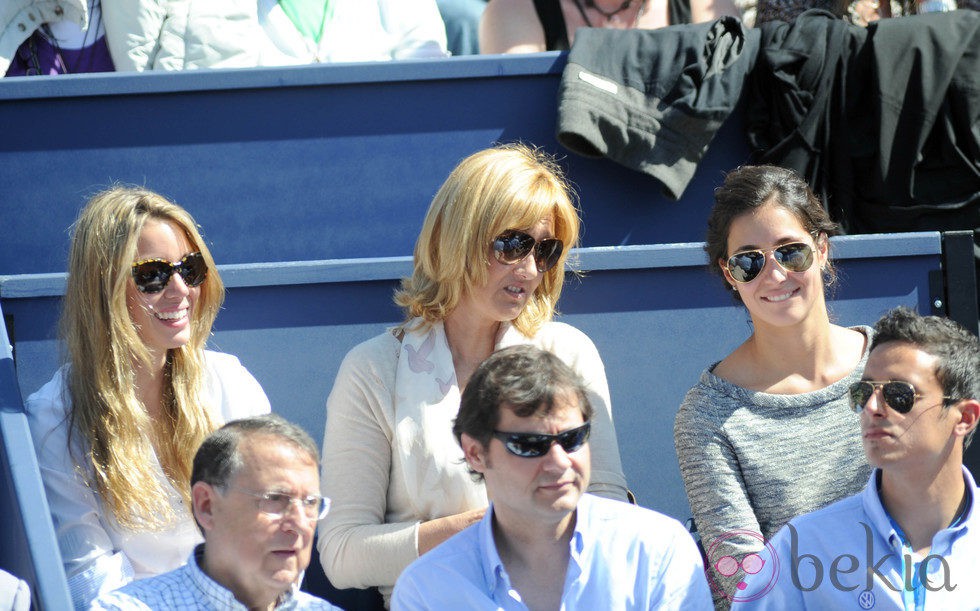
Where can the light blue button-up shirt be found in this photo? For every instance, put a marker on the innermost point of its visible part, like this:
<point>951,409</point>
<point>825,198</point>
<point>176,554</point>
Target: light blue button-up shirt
<point>620,557</point>
<point>189,588</point>
<point>849,556</point>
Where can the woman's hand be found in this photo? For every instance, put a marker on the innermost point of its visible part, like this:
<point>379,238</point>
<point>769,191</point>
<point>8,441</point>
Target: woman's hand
<point>434,532</point>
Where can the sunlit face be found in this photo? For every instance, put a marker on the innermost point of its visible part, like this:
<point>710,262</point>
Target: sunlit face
<point>255,555</point>
<point>508,287</point>
<point>546,488</point>
<point>776,297</point>
<point>924,435</point>
<point>163,320</point>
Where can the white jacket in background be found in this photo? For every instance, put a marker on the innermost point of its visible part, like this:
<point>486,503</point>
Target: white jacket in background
<point>20,18</point>
<point>185,34</point>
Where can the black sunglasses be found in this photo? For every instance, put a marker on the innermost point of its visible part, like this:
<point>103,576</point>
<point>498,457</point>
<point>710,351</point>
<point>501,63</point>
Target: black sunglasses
<point>152,275</point>
<point>533,445</point>
<point>746,266</point>
<point>513,245</point>
<point>900,396</point>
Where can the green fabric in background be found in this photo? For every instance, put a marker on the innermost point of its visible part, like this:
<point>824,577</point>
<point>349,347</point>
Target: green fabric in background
<point>309,16</point>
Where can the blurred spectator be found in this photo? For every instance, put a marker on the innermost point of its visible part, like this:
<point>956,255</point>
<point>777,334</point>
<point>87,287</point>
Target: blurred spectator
<point>462,18</point>
<point>531,26</point>
<point>52,37</point>
<point>858,12</point>
<point>182,34</point>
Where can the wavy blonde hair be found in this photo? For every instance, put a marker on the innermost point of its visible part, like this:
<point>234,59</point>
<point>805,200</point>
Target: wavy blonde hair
<point>510,186</point>
<point>119,441</point>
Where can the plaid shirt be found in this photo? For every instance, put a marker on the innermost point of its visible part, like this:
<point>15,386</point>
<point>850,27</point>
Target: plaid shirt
<point>189,588</point>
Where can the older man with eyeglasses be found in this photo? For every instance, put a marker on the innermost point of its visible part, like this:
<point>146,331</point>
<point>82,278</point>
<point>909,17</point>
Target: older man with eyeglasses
<point>911,539</point>
<point>255,488</point>
<point>523,425</point>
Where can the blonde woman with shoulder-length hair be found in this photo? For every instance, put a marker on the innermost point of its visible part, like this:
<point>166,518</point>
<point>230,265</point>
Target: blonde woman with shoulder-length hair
<point>117,426</point>
<point>488,271</point>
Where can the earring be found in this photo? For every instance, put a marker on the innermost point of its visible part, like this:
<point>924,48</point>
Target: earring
<point>735,288</point>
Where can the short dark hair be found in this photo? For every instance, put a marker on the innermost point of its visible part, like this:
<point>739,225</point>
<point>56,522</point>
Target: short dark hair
<point>750,187</point>
<point>956,349</point>
<point>218,459</point>
<point>526,379</point>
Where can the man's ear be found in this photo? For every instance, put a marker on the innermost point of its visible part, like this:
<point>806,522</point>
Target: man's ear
<point>969,415</point>
<point>202,498</point>
<point>474,452</point>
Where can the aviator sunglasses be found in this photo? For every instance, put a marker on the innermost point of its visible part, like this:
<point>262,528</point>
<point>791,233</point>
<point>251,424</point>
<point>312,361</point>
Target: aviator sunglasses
<point>900,396</point>
<point>746,266</point>
<point>152,275</point>
<point>533,445</point>
<point>513,245</point>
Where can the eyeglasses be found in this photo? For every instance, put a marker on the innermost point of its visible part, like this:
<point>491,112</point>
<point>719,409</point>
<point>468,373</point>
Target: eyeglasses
<point>152,275</point>
<point>746,266</point>
<point>900,396</point>
<point>533,445</point>
<point>276,504</point>
<point>512,246</point>
<point>751,564</point>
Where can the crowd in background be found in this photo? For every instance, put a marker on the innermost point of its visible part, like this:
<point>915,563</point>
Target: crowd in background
<point>44,37</point>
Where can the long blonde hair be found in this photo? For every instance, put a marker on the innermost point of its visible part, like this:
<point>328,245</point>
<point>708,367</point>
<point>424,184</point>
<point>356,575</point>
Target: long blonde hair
<point>115,433</point>
<point>509,186</point>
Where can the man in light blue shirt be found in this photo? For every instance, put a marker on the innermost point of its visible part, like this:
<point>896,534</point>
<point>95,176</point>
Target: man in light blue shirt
<point>911,539</point>
<point>255,488</point>
<point>523,424</point>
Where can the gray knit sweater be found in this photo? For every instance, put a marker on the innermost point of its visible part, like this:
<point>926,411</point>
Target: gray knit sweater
<point>751,460</point>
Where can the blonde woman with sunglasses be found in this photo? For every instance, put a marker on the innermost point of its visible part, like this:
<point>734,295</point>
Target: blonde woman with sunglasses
<point>489,268</point>
<point>116,428</point>
<point>766,434</point>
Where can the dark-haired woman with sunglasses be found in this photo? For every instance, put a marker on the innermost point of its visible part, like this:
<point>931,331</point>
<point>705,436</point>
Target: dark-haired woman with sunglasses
<point>116,428</point>
<point>767,434</point>
<point>489,268</point>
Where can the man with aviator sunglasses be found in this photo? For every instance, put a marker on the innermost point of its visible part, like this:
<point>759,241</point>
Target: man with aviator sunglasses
<point>911,539</point>
<point>523,425</point>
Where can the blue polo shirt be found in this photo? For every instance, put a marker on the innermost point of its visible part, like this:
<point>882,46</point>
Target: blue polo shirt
<point>851,555</point>
<point>620,557</point>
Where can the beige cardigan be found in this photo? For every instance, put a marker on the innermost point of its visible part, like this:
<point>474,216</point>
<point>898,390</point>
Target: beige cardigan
<point>371,533</point>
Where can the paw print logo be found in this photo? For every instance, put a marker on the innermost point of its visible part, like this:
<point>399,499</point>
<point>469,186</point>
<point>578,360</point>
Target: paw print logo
<point>728,566</point>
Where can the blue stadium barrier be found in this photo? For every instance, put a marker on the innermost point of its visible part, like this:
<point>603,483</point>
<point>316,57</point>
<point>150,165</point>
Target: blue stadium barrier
<point>297,163</point>
<point>656,315</point>
<point>28,548</point>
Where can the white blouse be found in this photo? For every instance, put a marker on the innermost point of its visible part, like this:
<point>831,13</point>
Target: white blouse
<point>98,554</point>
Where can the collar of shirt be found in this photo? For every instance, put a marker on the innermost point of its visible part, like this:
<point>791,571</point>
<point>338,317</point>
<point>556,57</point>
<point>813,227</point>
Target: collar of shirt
<point>495,574</point>
<point>220,596</point>
<point>943,540</point>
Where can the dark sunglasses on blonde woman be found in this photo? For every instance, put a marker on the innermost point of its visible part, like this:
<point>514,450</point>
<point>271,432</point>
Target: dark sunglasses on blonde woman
<point>153,275</point>
<point>746,266</point>
<point>513,245</point>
